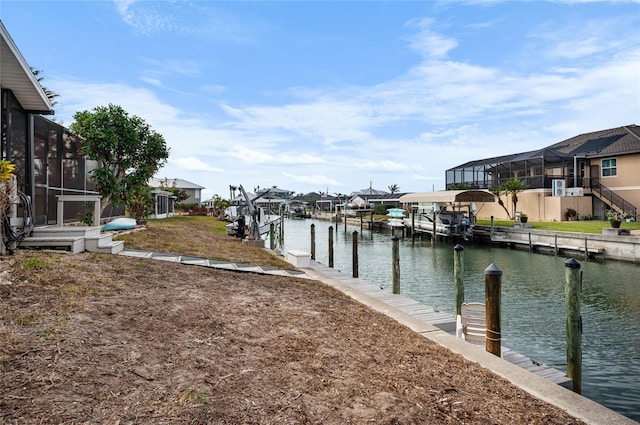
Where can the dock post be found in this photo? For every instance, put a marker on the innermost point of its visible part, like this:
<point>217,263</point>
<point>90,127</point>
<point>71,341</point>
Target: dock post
<point>354,253</point>
<point>413,225</point>
<point>331,246</point>
<point>313,241</point>
<point>555,243</point>
<point>492,290</point>
<point>530,245</point>
<point>272,242</point>
<point>573,323</point>
<point>586,250</point>
<point>281,224</point>
<point>458,271</point>
<point>491,231</point>
<point>345,219</point>
<point>395,259</point>
<point>433,235</point>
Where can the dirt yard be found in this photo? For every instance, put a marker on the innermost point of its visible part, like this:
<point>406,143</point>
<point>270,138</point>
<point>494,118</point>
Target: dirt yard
<point>100,339</point>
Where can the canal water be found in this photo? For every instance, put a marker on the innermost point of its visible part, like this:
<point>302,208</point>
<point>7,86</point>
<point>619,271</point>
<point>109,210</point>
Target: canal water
<point>533,306</point>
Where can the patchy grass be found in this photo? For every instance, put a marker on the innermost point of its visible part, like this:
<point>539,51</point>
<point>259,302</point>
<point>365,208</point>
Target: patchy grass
<point>197,236</point>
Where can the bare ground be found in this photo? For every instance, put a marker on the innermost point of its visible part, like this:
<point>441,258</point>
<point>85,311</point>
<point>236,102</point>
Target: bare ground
<point>117,340</point>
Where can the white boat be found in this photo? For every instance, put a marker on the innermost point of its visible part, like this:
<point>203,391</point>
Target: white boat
<point>451,213</point>
<point>447,223</point>
<point>396,217</point>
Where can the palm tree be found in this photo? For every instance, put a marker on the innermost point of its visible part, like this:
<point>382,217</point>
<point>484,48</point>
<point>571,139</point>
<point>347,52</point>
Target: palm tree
<point>232,191</point>
<point>51,95</point>
<point>394,188</point>
<point>513,187</point>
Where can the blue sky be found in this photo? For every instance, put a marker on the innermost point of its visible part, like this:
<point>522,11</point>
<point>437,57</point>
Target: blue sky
<point>333,95</point>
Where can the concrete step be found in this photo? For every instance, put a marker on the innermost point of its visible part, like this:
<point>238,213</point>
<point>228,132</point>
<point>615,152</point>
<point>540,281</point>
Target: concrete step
<point>103,244</point>
<point>76,244</point>
<point>63,231</point>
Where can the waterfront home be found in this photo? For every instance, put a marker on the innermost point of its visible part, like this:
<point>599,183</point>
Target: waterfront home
<point>590,174</point>
<point>47,157</point>
<point>194,191</point>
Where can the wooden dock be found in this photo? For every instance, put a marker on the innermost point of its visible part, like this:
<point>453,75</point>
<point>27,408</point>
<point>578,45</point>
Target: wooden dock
<point>557,249</point>
<point>442,320</point>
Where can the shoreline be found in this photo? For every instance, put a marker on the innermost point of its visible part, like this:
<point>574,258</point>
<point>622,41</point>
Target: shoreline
<point>611,245</point>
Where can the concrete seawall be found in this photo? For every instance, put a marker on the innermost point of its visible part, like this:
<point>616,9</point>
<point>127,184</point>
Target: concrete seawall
<point>611,245</point>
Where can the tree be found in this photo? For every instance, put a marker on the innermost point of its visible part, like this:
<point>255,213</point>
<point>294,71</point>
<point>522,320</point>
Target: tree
<point>129,151</point>
<point>180,195</point>
<point>140,203</point>
<point>51,95</point>
<point>394,188</point>
<point>511,187</point>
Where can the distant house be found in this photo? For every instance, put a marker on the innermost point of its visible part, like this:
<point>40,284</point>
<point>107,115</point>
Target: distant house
<point>193,190</point>
<point>590,173</point>
<point>274,192</point>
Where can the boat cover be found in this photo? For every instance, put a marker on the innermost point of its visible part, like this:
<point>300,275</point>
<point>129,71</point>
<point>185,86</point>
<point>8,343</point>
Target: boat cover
<point>450,196</point>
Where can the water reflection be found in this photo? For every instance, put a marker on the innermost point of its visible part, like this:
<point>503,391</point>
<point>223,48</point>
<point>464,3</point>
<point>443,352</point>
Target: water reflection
<point>533,309</point>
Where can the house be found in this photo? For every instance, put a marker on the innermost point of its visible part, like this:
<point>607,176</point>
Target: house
<point>274,192</point>
<point>591,173</point>
<point>193,190</point>
<point>47,158</point>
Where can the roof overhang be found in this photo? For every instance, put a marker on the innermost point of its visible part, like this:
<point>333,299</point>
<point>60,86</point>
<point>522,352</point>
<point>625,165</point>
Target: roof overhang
<point>449,196</point>
<point>16,75</point>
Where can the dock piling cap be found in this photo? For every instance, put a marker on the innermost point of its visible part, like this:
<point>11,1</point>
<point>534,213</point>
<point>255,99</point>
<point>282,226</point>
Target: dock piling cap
<point>572,263</point>
<point>492,270</point>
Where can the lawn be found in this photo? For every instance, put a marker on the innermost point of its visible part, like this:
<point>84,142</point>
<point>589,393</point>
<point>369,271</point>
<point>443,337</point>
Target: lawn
<point>589,226</point>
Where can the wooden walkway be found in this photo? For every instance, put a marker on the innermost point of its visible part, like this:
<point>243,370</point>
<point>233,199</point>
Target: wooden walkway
<point>442,320</point>
<point>547,247</point>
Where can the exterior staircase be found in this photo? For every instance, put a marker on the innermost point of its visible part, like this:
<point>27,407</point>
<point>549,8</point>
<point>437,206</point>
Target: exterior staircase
<point>615,201</point>
<point>74,238</point>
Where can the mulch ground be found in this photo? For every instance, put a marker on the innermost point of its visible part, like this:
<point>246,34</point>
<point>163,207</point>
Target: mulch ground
<point>117,340</point>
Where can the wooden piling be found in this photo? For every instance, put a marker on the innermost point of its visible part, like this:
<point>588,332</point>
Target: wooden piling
<point>395,259</point>
<point>573,323</point>
<point>530,244</point>
<point>586,250</point>
<point>272,242</point>
<point>345,219</point>
<point>282,224</point>
<point>491,231</point>
<point>354,253</point>
<point>331,246</point>
<point>433,235</point>
<point>458,272</point>
<point>555,244</point>
<point>492,290</point>
<point>413,225</point>
<point>313,241</point>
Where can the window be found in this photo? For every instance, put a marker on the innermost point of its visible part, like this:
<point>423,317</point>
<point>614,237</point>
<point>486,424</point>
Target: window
<point>609,168</point>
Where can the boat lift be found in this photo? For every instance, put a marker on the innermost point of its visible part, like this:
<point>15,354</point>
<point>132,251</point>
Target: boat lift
<point>259,222</point>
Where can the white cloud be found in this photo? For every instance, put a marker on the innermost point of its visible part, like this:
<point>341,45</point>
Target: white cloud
<point>316,180</point>
<point>193,164</point>
<point>428,42</point>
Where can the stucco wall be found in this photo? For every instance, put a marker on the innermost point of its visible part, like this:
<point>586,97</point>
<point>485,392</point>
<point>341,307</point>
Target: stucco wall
<point>539,205</point>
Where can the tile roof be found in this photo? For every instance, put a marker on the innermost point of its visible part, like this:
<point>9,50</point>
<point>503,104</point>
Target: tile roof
<point>614,141</point>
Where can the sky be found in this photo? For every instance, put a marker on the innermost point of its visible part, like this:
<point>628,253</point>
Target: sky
<point>338,96</point>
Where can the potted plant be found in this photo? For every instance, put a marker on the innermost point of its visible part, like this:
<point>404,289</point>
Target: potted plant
<point>614,220</point>
<point>524,218</point>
